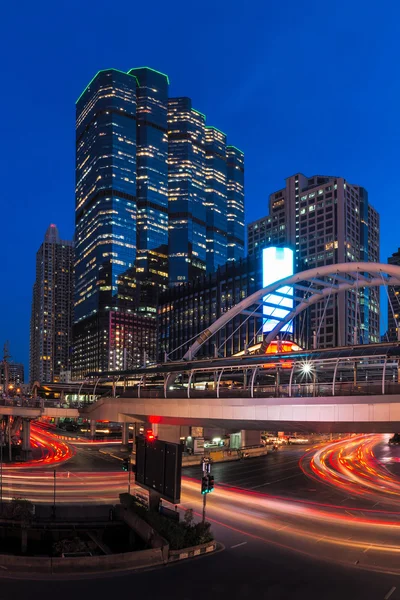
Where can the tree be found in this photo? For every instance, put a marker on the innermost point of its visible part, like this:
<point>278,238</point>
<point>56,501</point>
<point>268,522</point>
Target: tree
<point>22,510</point>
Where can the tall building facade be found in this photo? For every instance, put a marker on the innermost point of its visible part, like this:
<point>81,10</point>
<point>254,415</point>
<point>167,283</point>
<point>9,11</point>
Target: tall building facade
<point>187,191</point>
<point>187,310</point>
<point>141,212</point>
<point>52,309</point>
<point>393,302</point>
<point>235,202</point>
<point>326,220</point>
<point>206,195</point>
<point>16,374</point>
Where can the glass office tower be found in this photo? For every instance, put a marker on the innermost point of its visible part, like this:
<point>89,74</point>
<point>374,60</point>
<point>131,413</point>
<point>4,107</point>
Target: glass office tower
<point>235,202</point>
<point>216,201</point>
<point>121,203</point>
<point>206,195</point>
<point>187,191</point>
<point>153,186</point>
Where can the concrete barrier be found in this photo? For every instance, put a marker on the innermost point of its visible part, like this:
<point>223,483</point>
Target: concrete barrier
<point>158,554</point>
<point>109,562</point>
<point>175,555</point>
<point>224,455</point>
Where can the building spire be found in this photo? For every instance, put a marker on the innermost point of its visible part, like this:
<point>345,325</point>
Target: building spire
<point>52,234</point>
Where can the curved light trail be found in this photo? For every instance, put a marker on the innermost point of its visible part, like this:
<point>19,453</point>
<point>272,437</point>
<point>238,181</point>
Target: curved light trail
<point>366,536</point>
<point>34,479</point>
<point>352,467</point>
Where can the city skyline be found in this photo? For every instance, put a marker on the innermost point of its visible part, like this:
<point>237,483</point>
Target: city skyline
<point>269,127</point>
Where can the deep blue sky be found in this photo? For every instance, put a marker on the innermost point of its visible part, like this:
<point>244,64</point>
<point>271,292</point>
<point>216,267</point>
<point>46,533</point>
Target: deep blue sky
<point>299,85</point>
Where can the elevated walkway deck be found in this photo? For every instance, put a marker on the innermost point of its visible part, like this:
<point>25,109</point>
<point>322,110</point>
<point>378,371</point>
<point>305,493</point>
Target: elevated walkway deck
<point>364,414</point>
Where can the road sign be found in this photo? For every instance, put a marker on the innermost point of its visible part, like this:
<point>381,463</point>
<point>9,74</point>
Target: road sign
<point>159,467</point>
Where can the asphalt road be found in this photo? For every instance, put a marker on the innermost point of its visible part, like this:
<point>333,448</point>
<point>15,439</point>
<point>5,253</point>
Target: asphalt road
<point>91,458</point>
<point>247,568</point>
<point>334,557</point>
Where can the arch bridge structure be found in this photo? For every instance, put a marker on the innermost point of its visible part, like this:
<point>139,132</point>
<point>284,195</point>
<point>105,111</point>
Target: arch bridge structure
<point>303,289</point>
<point>336,388</point>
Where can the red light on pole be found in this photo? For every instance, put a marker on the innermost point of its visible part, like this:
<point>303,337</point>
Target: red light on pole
<point>150,437</point>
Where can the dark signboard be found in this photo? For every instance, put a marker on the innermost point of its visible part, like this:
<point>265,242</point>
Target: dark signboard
<point>159,467</point>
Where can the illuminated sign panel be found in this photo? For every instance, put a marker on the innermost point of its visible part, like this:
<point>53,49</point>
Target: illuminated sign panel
<point>277,264</point>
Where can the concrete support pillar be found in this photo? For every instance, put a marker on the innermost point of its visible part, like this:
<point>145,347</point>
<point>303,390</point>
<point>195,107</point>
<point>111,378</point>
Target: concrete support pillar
<point>167,433</point>
<point>250,438</point>
<point>125,435</point>
<point>235,440</point>
<point>92,428</point>
<point>26,438</point>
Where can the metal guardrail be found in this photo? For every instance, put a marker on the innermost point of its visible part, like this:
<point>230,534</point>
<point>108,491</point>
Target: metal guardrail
<point>35,403</point>
<point>307,390</point>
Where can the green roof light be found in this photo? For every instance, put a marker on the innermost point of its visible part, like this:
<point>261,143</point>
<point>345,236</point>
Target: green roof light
<point>216,129</point>
<point>234,147</point>
<point>199,113</point>
<point>103,71</point>
<point>150,69</point>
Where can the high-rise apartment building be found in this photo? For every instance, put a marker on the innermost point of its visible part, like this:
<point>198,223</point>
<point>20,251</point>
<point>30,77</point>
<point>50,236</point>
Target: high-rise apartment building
<point>142,195</point>
<point>393,302</point>
<point>52,309</point>
<point>326,220</point>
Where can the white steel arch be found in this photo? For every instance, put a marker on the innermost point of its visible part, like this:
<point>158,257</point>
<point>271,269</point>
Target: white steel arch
<point>343,277</point>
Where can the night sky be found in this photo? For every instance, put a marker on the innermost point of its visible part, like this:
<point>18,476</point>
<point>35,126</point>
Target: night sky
<point>307,86</point>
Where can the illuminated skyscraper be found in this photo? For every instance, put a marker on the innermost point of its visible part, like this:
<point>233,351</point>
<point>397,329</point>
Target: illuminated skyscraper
<point>121,217</point>
<point>206,195</point>
<point>152,186</point>
<point>216,199</point>
<point>187,191</point>
<point>52,309</point>
<point>235,202</point>
<point>326,220</point>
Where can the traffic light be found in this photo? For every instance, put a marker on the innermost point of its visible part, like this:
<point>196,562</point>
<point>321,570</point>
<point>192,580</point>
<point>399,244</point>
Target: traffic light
<point>150,437</point>
<point>210,483</point>
<point>204,485</point>
<point>125,464</point>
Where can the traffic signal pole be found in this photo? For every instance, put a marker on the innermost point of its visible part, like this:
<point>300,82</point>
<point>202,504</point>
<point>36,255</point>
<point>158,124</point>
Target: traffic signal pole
<point>207,483</point>
<point>204,507</point>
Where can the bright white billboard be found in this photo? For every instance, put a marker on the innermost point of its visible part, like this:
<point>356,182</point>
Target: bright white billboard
<point>277,264</point>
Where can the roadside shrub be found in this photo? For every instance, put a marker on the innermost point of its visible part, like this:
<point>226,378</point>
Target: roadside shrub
<point>180,535</point>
